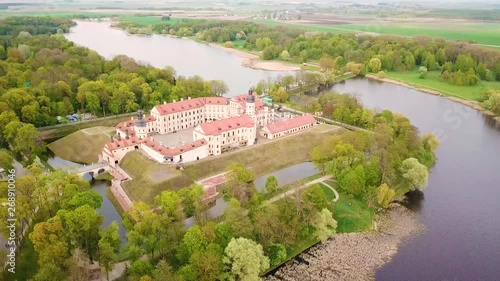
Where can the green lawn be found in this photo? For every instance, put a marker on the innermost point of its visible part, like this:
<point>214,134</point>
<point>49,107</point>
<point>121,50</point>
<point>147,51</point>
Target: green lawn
<point>433,82</point>
<point>142,187</point>
<point>146,19</point>
<point>329,193</point>
<point>352,215</point>
<point>481,33</point>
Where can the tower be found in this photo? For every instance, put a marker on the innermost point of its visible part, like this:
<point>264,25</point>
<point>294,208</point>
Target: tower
<point>250,104</point>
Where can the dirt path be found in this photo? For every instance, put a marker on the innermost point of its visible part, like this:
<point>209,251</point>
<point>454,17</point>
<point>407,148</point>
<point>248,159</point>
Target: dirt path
<point>292,191</point>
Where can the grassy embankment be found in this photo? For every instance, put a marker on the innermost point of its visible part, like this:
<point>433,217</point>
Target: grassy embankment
<point>66,129</point>
<point>433,82</point>
<point>260,159</point>
<point>481,33</point>
<point>84,145</point>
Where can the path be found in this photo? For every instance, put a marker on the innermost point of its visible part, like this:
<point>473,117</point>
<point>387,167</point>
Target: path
<point>337,196</point>
<point>292,191</point>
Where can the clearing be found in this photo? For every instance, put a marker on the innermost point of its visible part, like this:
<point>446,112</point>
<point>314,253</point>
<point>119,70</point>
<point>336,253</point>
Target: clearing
<point>84,145</point>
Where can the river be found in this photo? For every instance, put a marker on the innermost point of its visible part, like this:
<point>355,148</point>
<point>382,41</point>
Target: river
<point>187,57</point>
<point>460,207</point>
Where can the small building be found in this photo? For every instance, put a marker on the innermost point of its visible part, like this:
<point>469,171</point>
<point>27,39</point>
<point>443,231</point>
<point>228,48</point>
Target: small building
<point>289,126</point>
<point>114,151</point>
<point>223,135</point>
<point>189,152</point>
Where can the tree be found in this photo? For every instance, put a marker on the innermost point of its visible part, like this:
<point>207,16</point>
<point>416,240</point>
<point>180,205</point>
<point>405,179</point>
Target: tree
<point>325,225</point>
<point>327,64</point>
<point>191,198</point>
<point>229,44</point>
<point>246,259</point>
<point>375,65</point>
<point>285,55</point>
<point>271,184</point>
<point>25,51</point>
<point>493,102</point>
<point>108,246</point>
<point>51,245</point>
<point>237,220</point>
<point>414,173</point>
<point>240,182</point>
<point>423,72</point>
<point>385,195</point>
<point>276,253</point>
<point>280,95</point>
<point>5,160</point>
<point>219,87</point>
<point>345,156</point>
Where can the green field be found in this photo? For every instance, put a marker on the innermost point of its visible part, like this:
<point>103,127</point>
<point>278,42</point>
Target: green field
<point>481,33</point>
<point>433,82</point>
<point>146,19</point>
<point>352,215</point>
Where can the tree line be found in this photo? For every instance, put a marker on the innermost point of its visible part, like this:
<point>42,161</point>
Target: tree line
<point>43,76</point>
<point>336,50</point>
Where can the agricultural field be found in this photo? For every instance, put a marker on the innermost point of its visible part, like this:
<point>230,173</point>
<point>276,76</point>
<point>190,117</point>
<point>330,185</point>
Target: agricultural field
<point>480,33</point>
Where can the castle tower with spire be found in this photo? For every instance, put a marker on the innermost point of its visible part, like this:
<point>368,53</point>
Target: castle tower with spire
<point>250,104</point>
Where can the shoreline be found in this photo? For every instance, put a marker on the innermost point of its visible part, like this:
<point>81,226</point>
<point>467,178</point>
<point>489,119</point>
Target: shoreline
<point>355,256</point>
<point>253,61</point>
<point>470,103</point>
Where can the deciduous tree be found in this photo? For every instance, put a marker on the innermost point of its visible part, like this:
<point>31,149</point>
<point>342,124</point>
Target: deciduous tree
<point>246,259</point>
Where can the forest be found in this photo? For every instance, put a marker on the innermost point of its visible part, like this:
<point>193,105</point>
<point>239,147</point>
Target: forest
<point>44,78</point>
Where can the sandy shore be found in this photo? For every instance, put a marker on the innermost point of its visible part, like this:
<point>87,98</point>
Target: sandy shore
<point>355,256</point>
<point>254,61</point>
<point>470,103</point>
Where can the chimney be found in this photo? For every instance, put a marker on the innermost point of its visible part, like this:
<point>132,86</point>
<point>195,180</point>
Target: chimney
<point>173,101</point>
<point>112,140</point>
<point>119,137</point>
<point>189,98</point>
<point>164,102</point>
<point>127,135</point>
<point>182,99</point>
<point>250,91</point>
<point>131,118</point>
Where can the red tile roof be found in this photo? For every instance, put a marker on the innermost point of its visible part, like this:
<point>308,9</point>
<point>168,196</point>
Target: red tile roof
<point>215,128</point>
<point>130,123</point>
<point>180,106</point>
<point>116,144</point>
<point>290,123</point>
<point>173,151</point>
<point>242,99</point>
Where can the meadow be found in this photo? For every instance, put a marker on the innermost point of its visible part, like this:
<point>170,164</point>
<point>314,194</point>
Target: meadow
<point>433,82</point>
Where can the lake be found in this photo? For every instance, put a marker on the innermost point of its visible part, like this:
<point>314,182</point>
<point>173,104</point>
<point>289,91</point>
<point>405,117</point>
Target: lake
<point>460,207</point>
<point>186,56</point>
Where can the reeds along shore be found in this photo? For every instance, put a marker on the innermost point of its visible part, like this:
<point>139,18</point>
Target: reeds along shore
<point>354,256</point>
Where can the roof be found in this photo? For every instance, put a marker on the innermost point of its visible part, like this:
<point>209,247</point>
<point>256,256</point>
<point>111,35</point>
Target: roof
<point>174,107</point>
<point>217,127</point>
<point>242,99</point>
<point>173,151</point>
<point>115,144</point>
<point>290,124</point>
<point>130,123</point>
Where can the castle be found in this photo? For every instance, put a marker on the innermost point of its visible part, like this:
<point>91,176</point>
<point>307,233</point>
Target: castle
<point>218,125</point>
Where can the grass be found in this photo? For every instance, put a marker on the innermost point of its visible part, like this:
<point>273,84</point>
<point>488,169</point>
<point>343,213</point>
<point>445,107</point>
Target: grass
<point>84,145</point>
<point>481,33</point>
<point>328,192</point>
<point>142,187</point>
<point>146,19</point>
<point>352,215</point>
<point>266,157</point>
<point>433,82</point>
<point>62,131</point>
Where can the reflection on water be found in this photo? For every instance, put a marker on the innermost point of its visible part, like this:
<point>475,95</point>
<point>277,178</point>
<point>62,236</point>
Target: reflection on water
<point>414,200</point>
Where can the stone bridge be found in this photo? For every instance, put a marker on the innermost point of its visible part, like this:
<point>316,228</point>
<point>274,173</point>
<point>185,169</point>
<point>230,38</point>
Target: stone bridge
<point>93,170</point>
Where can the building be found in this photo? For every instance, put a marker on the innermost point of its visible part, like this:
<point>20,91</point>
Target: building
<point>289,126</point>
<point>220,124</point>
<point>226,134</point>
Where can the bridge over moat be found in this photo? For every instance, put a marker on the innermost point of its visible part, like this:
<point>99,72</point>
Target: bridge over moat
<point>93,170</point>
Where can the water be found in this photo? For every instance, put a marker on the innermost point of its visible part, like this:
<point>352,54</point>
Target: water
<point>107,210</point>
<point>460,206</point>
<point>288,175</point>
<point>186,56</point>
